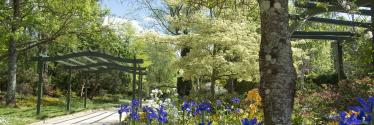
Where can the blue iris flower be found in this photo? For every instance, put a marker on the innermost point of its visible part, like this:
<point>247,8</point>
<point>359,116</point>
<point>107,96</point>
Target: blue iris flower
<point>219,102</point>
<point>124,108</point>
<point>162,115</point>
<point>253,121</point>
<point>134,115</point>
<point>151,114</point>
<point>135,103</point>
<point>187,105</point>
<point>235,100</point>
<point>238,110</point>
<point>204,106</point>
<point>203,123</point>
<point>364,113</point>
<point>348,121</point>
<point>228,108</point>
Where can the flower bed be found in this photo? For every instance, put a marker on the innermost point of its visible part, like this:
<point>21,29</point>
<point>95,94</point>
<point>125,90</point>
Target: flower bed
<point>234,111</point>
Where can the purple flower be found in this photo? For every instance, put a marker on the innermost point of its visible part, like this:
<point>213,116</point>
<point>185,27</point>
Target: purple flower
<point>348,121</point>
<point>162,115</point>
<point>204,106</point>
<point>235,100</point>
<point>219,102</point>
<point>134,115</point>
<point>238,110</point>
<point>124,108</point>
<point>228,108</point>
<point>253,121</point>
<point>135,103</point>
<point>151,114</point>
<point>203,123</point>
<point>187,105</point>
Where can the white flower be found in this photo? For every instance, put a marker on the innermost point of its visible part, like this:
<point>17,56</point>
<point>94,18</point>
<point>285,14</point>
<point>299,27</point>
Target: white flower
<point>168,100</point>
<point>368,35</point>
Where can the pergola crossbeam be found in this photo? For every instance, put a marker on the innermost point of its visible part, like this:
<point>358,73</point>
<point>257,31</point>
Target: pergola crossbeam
<point>100,70</point>
<point>80,63</point>
<point>326,6</point>
<point>321,37</point>
<point>65,63</point>
<point>89,54</point>
<point>124,68</point>
<point>334,21</point>
<point>323,33</point>
<point>89,59</point>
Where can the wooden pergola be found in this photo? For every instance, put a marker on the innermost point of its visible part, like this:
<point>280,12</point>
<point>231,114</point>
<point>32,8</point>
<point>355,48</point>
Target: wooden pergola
<point>89,62</point>
<point>314,7</point>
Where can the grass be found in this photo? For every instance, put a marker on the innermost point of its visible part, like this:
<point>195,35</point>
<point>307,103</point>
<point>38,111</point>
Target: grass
<point>25,112</point>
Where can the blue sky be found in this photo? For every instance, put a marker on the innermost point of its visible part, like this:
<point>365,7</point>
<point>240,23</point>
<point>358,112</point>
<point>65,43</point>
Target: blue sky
<point>131,10</point>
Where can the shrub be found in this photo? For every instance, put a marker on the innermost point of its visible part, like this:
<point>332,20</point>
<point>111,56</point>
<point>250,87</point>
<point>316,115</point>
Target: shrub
<point>30,101</point>
<point>25,89</point>
<point>242,86</point>
<point>330,78</point>
<point>107,98</point>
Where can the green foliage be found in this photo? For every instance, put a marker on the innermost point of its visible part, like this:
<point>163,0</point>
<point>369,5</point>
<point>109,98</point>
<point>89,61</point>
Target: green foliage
<point>330,78</point>
<point>241,87</point>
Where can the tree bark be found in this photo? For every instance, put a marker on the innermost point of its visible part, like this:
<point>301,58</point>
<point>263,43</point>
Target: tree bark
<point>12,56</point>
<point>213,83</point>
<point>277,73</point>
<point>184,86</point>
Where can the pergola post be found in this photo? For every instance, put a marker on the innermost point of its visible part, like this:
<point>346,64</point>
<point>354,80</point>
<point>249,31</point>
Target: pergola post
<point>140,86</point>
<point>340,68</point>
<point>68,100</point>
<point>134,80</point>
<point>40,87</point>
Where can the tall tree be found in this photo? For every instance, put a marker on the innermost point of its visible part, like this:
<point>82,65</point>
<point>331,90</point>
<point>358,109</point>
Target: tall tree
<point>30,19</point>
<point>278,75</point>
<point>10,98</point>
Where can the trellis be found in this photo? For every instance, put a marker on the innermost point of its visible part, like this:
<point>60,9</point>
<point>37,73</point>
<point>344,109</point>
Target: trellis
<point>89,62</point>
<point>314,7</point>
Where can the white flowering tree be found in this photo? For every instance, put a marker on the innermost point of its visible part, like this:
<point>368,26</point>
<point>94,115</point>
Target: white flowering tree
<point>220,47</point>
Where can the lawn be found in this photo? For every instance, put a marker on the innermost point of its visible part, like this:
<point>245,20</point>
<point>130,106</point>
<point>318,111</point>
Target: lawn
<point>25,112</point>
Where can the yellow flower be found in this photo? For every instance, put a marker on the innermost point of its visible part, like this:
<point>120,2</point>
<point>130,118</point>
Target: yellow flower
<point>216,117</point>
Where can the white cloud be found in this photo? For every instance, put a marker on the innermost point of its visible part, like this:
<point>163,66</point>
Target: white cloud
<point>136,25</point>
<point>112,20</point>
<point>150,20</point>
<point>115,22</point>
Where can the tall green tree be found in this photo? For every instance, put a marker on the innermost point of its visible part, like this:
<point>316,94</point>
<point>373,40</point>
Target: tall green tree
<point>34,23</point>
<point>10,98</point>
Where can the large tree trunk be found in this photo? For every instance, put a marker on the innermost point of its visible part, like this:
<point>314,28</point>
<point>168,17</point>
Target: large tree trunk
<point>278,75</point>
<point>12,56</point>
<point>184,86</point>
<point>213,83</point>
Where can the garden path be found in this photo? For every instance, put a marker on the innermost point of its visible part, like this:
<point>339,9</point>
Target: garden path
<point>92,117</point>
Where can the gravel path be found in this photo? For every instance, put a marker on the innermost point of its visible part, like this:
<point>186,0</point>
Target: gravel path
<point>93,117</point>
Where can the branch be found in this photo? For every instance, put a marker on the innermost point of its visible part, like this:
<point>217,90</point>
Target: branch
<point>160,20</point>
